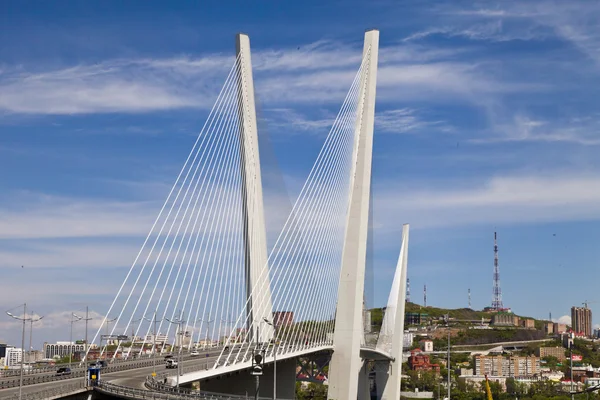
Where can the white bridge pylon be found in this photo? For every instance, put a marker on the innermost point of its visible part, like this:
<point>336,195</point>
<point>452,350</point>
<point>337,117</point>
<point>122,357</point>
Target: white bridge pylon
<point>203,276</point>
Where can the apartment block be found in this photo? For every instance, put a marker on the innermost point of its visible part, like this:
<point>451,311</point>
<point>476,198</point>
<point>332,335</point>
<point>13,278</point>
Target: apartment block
<point>506,366</point>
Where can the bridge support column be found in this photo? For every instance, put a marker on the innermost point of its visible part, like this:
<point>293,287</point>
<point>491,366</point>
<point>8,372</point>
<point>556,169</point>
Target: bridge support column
<point>258,289</point>
<point>241,383</point>
<point>389,387</point>
<point>364,387</point>
<point>346,362</point>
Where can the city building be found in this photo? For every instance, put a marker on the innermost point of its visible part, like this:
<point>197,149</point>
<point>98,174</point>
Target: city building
<point>183,339</point>
<point>506,366</point>
<point>33,356</point>
<point>548,328</point>
<point>283,318</point>
<point>421,362</point>
<point>160,339</point>
<point>503,318</point>
<point>411,318</point>
<point>13,357</point>
<point>559,328</point>
<point>2,350</point>
<point>527,323</point>
<point>61,349</point>
<point>558,352</point>
<point>408,340</point>
<point>426,345</point>
<point>581,320</point>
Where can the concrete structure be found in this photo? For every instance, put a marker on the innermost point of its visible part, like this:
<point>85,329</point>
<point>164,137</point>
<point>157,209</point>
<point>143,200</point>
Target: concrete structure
<point>426,345</point>
<point>477,380</point>
<point>346,363</point>
<point>13,357</point>
<point>581,320</point>
<point>504,319</point>
<point>506,366</point>
<point>61,349</point>
<point>527,323</point>
<point>559,328</point>
<point>283,318</point>
<point>258,289</point>
<point>548,328</point>
<point>2,350</point>
<point>558,352</point>
<point>388,376</point>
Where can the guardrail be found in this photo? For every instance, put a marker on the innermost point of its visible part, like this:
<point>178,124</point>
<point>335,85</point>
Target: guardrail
<point>168,394</point>
<point>78,373</point>
<point>32,380</point>
<point>49,393</point>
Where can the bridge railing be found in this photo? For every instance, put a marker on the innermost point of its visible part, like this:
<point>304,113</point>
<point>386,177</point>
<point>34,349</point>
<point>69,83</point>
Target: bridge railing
<point>160,392</point>
<point>52,393</point>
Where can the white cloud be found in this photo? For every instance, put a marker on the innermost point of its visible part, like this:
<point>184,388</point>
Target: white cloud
<point>565,319</point>
<point>516,199</point>
<point>406,120</point>
<point>43,216</point>
<point>320,72</point>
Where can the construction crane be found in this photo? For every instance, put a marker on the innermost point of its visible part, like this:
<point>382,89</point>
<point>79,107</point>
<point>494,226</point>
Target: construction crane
<point>586,302</point>
<point>488,391</point>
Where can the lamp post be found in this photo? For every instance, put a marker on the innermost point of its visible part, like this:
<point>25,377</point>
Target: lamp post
<point>153,344</point>
<point>108,321</point>
<point>208,321</point>
<point>448,328</point>
<point>32,320</point>
<point>24,319</point>
<point>73,315</point>
<point>178,322</point>
<point>274,358</point>
<point>571,359</point>
<point>86,319</point>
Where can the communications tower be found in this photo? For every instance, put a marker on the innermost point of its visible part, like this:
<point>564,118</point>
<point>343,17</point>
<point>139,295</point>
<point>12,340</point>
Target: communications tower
<point>496,291</point>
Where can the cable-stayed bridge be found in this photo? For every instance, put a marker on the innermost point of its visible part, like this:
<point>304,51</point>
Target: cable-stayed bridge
<point>206,280</point>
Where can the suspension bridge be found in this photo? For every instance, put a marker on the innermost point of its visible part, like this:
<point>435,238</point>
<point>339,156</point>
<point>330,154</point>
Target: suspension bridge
<point>205,278</point>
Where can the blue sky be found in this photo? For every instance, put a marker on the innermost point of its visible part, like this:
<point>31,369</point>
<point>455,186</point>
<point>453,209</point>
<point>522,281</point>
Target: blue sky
<point>487,118</point>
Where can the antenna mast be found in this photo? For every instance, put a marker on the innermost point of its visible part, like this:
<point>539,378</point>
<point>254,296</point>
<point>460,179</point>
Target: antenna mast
<point>424,295</point>
<point>497,292</point>
<point>407,290</point>
<point>469,291</point>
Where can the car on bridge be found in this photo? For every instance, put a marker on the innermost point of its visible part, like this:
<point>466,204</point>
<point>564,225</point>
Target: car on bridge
<point>63,371</point>
<point>194,353</point>
<point>171,363</point>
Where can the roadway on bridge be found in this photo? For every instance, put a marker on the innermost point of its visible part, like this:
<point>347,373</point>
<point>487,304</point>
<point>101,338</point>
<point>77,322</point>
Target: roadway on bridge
<point>134,377</point>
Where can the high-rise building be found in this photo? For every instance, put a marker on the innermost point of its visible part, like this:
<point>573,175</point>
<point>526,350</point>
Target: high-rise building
<point>581,320</point>
<point>13,357</point>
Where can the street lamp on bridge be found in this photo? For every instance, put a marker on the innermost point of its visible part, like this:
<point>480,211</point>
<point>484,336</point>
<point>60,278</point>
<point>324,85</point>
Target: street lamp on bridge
<point>179,322</point>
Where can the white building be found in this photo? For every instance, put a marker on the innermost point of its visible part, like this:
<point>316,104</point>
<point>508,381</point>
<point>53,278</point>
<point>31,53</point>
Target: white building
<point>61,349</point>
<point>408,340</point>
<point>426,345</point>
<point>13,357</point>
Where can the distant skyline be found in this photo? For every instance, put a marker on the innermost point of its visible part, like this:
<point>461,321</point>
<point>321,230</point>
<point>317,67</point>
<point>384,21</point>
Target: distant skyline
<point>487,120</point>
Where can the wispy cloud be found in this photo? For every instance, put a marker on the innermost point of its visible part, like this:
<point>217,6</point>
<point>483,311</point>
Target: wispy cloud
<point>515,199</point>
<point>407,120</point>
<point>579,130</point>
<point>318,72</point>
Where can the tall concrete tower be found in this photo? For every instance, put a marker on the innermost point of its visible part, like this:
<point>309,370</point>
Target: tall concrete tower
<point>346,363</point>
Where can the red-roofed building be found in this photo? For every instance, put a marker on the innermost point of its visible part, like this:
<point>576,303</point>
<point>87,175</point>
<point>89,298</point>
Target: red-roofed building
<point>421,362</point>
